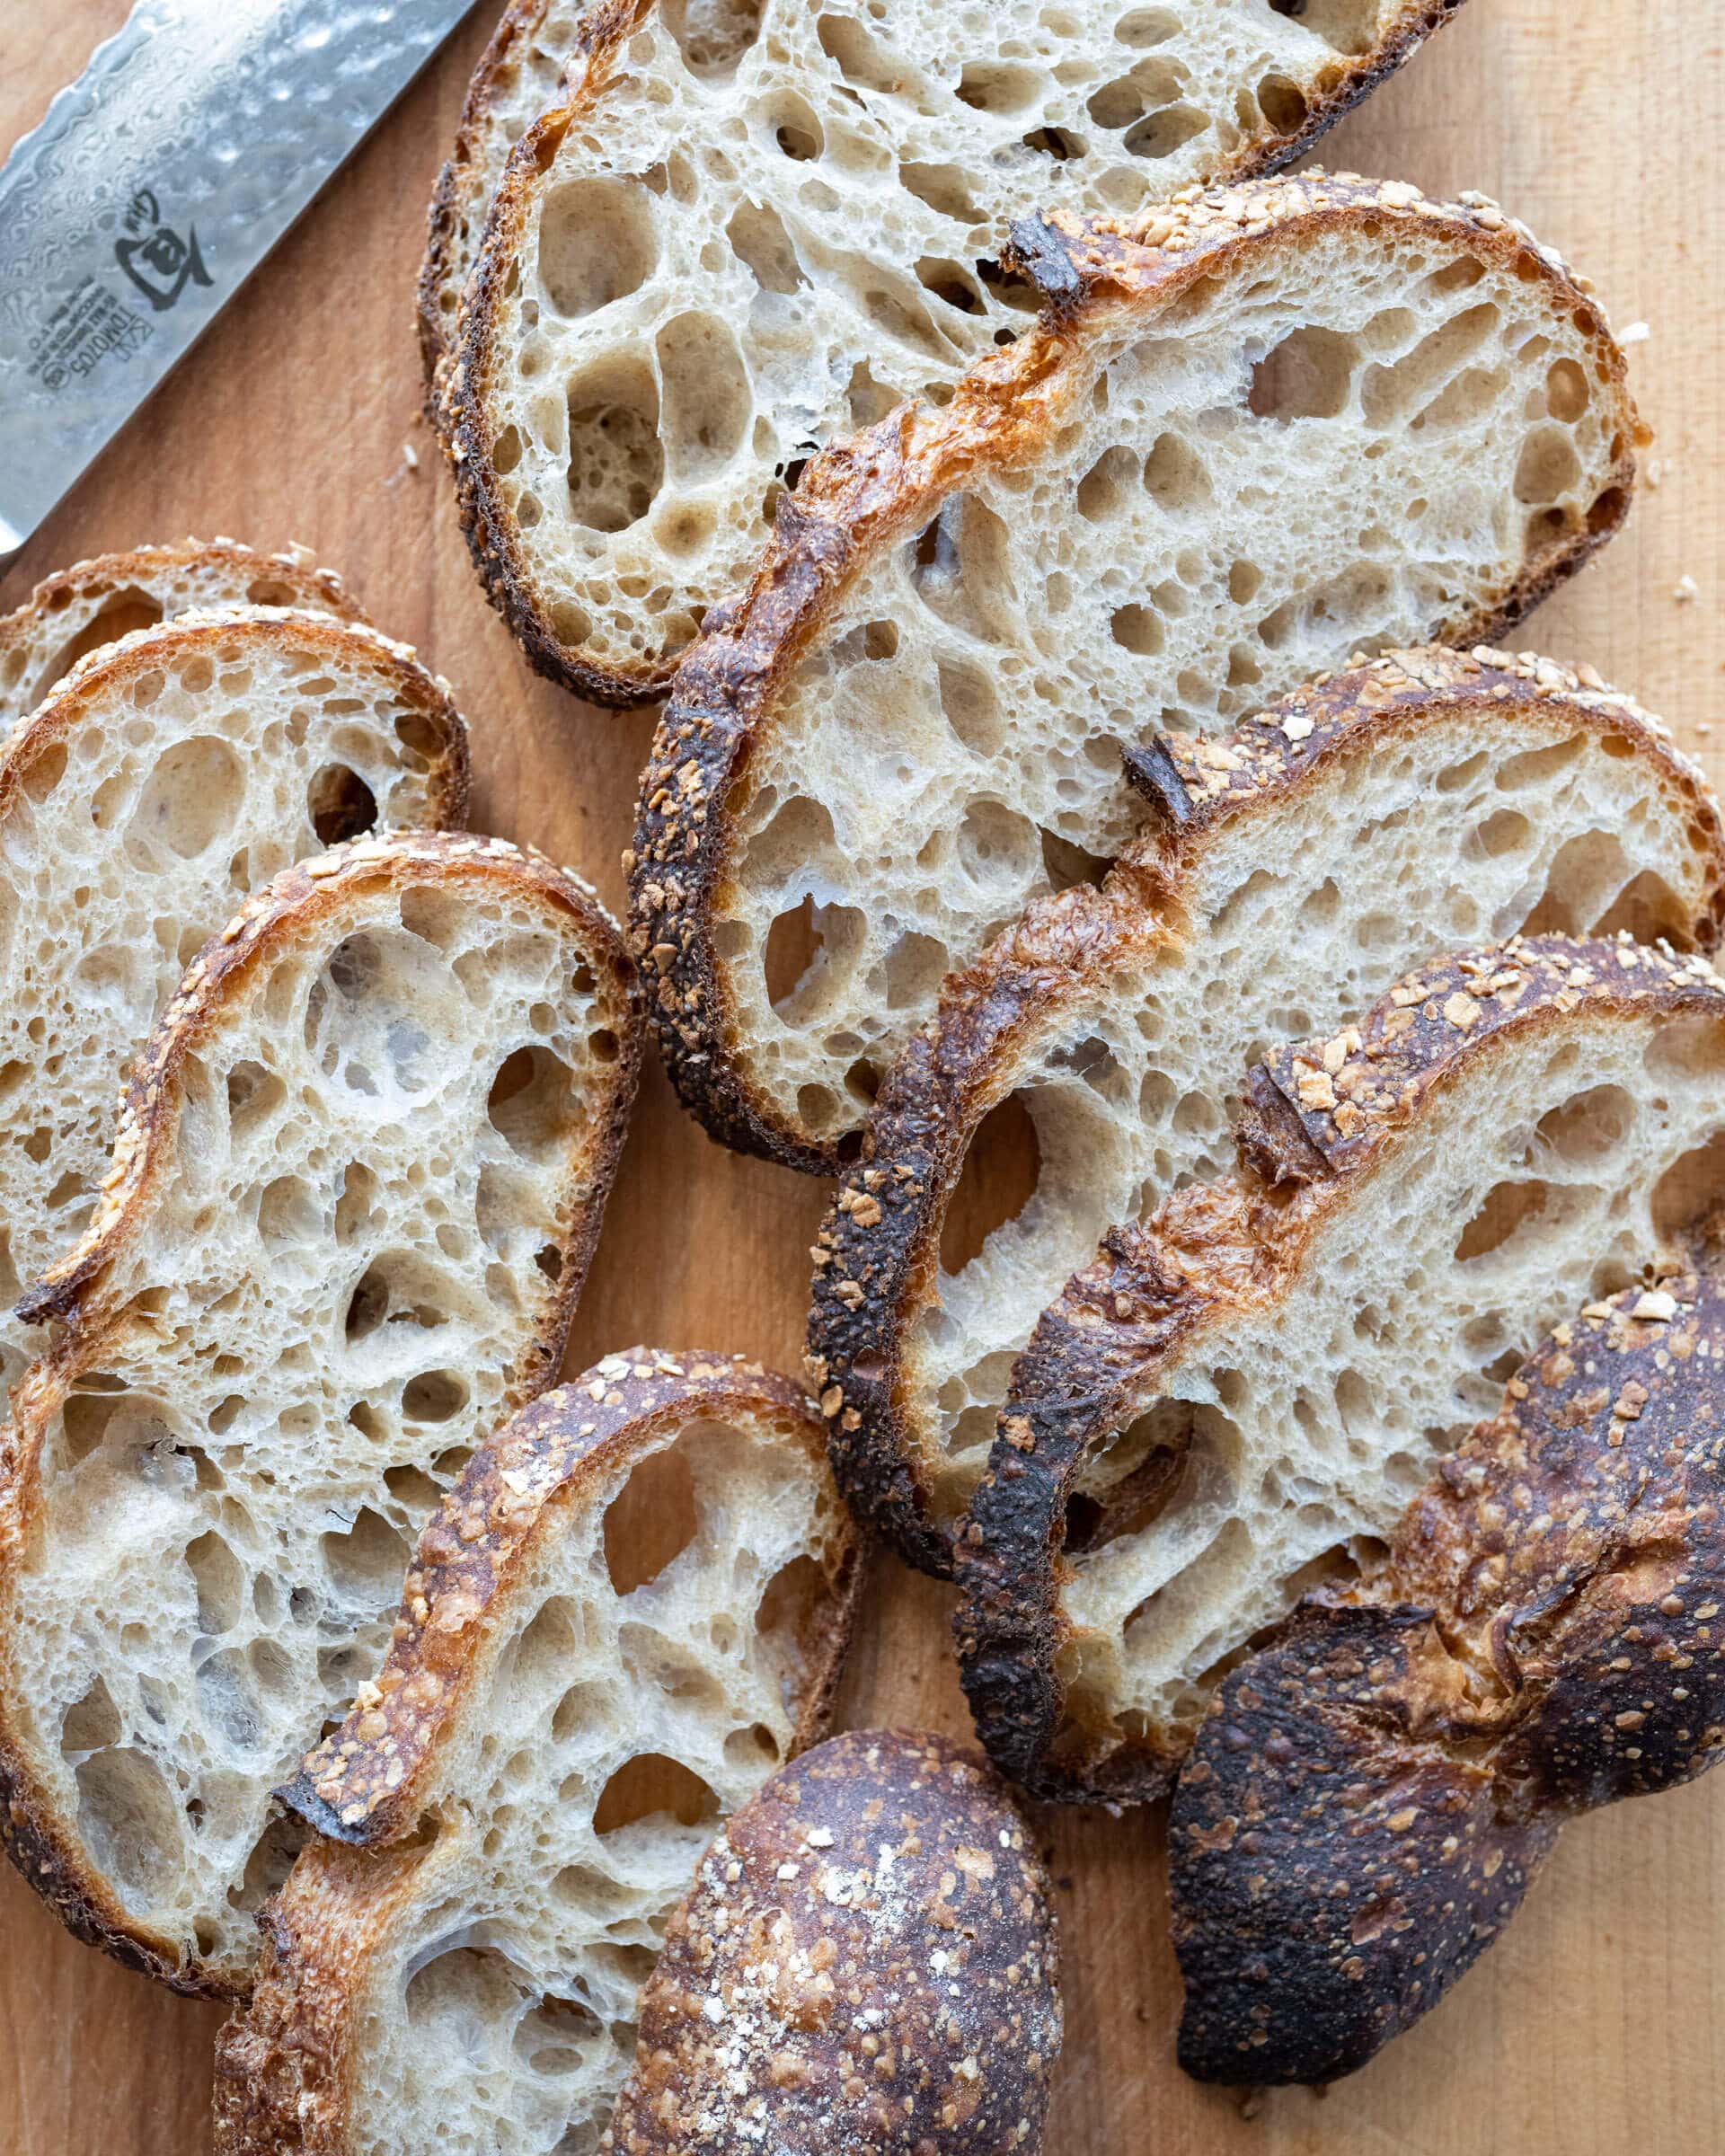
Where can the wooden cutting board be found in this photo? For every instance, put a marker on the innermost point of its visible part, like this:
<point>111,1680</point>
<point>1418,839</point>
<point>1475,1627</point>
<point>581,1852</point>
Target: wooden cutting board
<point>1596,2028</point>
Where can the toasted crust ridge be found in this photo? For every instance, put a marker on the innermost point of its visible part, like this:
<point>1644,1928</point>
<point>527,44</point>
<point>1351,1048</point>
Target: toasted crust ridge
<point>876,1258</point>
<point>294,565</point>
<point>1538,1642</point>
<point>899,1861</point>
<point>364,1783</point>
<point>1322,1116</point>
<point>861,493</point>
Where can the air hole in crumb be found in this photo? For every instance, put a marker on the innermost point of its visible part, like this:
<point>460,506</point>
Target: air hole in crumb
<point>1002,1166</point>
<point>532,1102</point>
<point>650,1786</point>
<point>651,1520</point>
<point>341,804</point>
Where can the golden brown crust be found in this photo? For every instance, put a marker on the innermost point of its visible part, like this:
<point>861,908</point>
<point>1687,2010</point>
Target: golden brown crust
<point>107,670</point>
<point>1322,1115</point>
<point>73,1293</point>
<point>366,1782</point>
<point>1544,1638</point>
<point>880,1932</point>
<point>861,494</point>
<point>290,576</point>
<point>876,1254</point>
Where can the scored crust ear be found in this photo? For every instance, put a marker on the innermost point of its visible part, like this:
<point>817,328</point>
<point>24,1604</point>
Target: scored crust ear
<point>1075,1504</point>
<point>913,549</point>
<point>76,610</point>
<point>1071,1007</point>
<point>1539,1641</point>
<point>539,1661</point>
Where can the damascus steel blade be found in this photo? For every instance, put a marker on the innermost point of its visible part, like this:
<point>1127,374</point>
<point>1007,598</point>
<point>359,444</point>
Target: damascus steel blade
<point>154,187</point>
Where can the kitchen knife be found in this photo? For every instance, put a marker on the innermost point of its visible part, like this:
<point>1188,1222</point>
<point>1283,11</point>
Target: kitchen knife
<point>153,188</point>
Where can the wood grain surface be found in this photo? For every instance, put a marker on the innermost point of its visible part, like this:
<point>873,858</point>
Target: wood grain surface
<point>1599,2026</point>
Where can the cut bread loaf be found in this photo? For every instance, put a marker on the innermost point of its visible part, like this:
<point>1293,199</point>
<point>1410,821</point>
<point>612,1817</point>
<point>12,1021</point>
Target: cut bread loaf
<point>1251,434</point>
<point>155,785</point>
<point>632,1607</point>
<point>1371,1793</point>
<point>1092,1059</point>
<point>359,1175</point>
<point>95,602</point>
<point>896,1866</point>
<point>1228,1405</point>
<point>744,229</point>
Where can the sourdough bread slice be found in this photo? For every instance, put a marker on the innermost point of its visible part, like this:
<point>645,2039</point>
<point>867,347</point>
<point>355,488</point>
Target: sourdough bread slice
<point>1228,1405</point>
<point>897,1863</point>
<point>1371,1792</point>
<point>1251,434</point>
<point>1093,1059</point>
<point>160,780</point>
<point>520,73</point>
<point>631,1608</point>
<point>95,602</point>
<point>359,1175</point>
<point>745,229</point>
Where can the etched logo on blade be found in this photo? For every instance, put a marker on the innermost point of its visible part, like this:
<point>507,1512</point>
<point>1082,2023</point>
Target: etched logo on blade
<point>154,257</point>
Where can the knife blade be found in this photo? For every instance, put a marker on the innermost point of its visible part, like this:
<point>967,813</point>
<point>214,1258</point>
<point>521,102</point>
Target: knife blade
<point>154,187</point>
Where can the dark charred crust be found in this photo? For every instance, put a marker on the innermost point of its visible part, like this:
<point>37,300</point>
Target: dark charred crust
<point>874,1277</point>
<point>364,1784</point>
<point>1099,1351</point>
<point>938,1961</point>
<point>861,495</point>
<point>1544,1638</point>
<point>1334,1870</point>
<point>1155,776</point>
<point>73,1292</point>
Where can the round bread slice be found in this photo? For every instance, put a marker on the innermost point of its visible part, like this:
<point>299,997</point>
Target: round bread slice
<point>79,609</point>
<point>1371,1792</point>
<point>1227,1406</point>
<point>165,777</point>
<point>634,1607</point>
<point>744,227</point>
<point>894,1866</point>
<point>358,1176</point>
<point>1092,1059</point>
<point>1253,433</point>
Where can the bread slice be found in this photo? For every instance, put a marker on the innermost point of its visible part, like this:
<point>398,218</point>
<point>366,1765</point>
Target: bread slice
<point>897,1866</point>
<point>357,1179</point>
<point>632,1607</point>
<point>742,230</point>
<point>1224,1409</point>
<point>95,602</point>
<point>1093,1058</point>
<point>154,786</point>
<point>1253,433</point>
<point>1541,1640</point>
<point>519,74</point>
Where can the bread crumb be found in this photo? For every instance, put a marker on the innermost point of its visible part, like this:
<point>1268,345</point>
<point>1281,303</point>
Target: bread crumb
<point>1687,589</point>
<point>1638,333</point>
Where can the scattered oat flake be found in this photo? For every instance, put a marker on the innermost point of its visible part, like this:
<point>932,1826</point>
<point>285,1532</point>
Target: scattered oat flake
<point>1687,589</point>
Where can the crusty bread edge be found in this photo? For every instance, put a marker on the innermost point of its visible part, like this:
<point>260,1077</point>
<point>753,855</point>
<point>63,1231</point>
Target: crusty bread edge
<point>457,373</point>
<point>72,1292</point>
<point>861,494</point>
<point>112,666</point>
<point>878,1249</point>
<point>321,1932</point>
<point>1209,1253</point>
